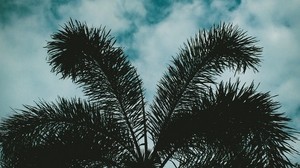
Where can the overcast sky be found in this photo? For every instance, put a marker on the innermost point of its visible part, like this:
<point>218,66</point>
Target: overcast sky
<point>151,32</point>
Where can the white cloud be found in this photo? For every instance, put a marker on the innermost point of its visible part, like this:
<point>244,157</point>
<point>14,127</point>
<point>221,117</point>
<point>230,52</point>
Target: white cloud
<point>276,25</point>
<point>156,44</point>
<point>25,75</point>
<point>102,12</point>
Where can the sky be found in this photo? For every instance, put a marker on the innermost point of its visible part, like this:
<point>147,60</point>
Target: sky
<point>151,32</point>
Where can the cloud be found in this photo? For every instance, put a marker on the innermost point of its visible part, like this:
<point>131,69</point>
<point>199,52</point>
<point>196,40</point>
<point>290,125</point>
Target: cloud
<point>112,14</point>
<point>276,28</point>
<point>25,75</point>
<point>151,32</point>
<point>157,43</point>
<point>276,25</point>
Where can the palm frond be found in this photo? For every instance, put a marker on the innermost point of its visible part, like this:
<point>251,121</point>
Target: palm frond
<point>63,133</point>
<point>233,126</point>
<point>195,68</point>
<point>89,58</point>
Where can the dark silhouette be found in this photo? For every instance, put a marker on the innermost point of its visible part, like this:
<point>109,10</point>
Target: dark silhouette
<point>192,122</point>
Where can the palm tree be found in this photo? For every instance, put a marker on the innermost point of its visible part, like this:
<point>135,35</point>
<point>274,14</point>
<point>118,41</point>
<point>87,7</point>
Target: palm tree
<point>192,122</point>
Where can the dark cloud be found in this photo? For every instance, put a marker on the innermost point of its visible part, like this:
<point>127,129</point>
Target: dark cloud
<point>15,8</point>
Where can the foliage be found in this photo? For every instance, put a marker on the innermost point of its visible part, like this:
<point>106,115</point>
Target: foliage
<point>193,121</point>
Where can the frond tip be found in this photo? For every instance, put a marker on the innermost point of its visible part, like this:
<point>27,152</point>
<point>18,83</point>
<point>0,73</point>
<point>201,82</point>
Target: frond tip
<point>228,46</point>
<point>74,44</point>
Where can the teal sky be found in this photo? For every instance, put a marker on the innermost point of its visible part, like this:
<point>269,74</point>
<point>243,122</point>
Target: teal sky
<point>151,32</point>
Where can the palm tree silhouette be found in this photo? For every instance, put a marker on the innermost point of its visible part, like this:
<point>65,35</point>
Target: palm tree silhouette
<point>193,121</point>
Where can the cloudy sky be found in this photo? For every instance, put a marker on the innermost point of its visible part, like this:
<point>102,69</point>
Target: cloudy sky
<point>151,32</point>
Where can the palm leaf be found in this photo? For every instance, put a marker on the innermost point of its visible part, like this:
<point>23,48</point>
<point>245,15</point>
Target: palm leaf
<point>65,134</point>
<point>89,58</point>
<point>231,126</point>
<point>198,63</point>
